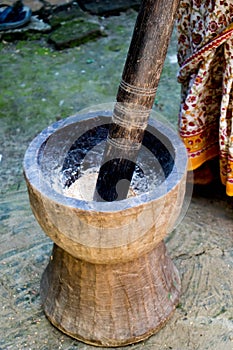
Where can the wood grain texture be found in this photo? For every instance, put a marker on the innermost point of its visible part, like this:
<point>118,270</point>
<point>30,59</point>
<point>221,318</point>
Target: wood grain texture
<point>109,281</point>
<point>135,97</point>
<point>110,305</point>
<point>107,237</point>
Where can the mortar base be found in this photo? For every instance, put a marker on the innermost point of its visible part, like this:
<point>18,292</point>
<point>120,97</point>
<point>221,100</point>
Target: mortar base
<point>110,304</point>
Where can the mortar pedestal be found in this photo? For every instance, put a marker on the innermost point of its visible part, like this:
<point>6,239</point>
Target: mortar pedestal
<point>109,281</point>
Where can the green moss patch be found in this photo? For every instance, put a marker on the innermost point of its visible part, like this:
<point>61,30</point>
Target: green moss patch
<point>74,33</point>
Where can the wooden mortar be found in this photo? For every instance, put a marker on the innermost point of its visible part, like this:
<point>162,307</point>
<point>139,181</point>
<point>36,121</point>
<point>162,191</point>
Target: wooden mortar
<point>109,281</point>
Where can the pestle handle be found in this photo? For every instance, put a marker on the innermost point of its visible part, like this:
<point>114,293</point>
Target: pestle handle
<point>135,97</point>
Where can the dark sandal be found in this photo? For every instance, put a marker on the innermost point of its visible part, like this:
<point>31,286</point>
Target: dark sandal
<point>14,16</point>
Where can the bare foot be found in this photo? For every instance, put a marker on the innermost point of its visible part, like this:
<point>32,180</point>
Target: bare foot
<point>205,174</point>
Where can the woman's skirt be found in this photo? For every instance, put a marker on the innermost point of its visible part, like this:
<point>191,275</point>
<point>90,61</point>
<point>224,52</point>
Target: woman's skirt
<point>205,57</point>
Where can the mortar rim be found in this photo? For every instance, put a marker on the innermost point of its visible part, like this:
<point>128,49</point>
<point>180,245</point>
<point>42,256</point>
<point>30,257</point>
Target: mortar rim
<point>31,166</point>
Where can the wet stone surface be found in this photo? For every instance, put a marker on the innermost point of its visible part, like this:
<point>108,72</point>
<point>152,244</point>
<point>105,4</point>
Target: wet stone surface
<point>75,33</point>
<point>69,23</point>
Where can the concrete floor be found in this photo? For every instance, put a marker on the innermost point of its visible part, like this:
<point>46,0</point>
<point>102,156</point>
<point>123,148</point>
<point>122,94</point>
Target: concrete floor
<point>201,244</point>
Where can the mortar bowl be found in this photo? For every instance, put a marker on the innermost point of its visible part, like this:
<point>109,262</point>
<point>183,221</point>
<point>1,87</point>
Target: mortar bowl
<point>109,281</point>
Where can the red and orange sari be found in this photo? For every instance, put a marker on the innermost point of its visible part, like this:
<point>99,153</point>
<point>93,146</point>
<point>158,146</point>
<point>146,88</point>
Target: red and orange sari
<point>205,56</point>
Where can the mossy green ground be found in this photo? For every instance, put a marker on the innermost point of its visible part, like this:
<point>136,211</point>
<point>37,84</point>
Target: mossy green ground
<point>39,85</point>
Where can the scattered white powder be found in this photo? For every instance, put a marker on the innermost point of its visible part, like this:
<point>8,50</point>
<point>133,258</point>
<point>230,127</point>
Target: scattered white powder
<point>84,187</point>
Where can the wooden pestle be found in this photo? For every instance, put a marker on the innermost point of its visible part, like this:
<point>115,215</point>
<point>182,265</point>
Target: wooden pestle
<point>135,97</point>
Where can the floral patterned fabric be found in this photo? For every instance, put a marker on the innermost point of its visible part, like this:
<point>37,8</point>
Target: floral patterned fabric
<point>205,56</point>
